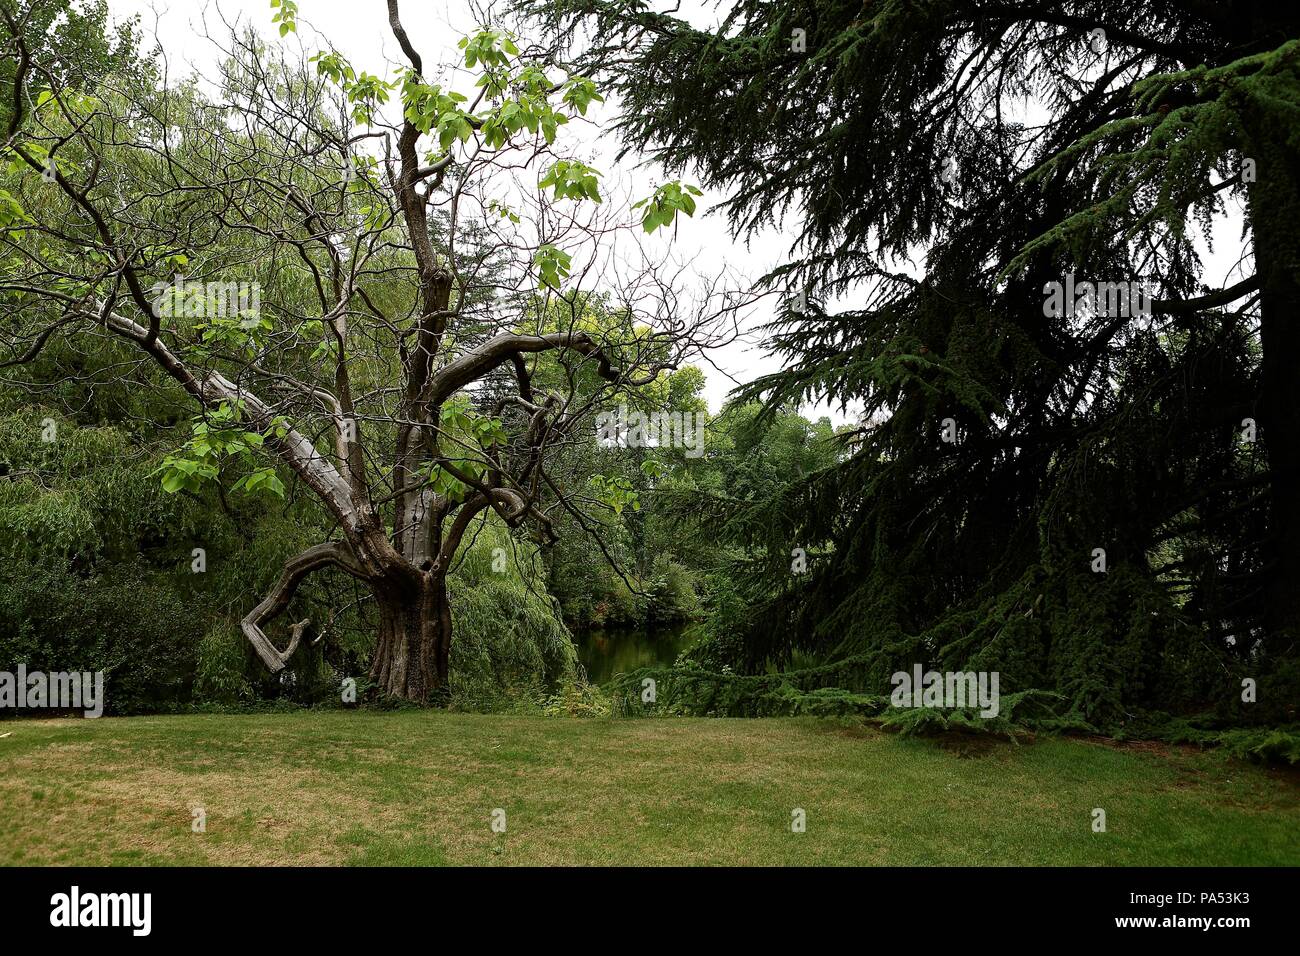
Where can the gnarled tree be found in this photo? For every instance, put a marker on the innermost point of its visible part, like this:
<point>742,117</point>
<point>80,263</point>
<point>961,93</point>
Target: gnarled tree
<point>365,298</point>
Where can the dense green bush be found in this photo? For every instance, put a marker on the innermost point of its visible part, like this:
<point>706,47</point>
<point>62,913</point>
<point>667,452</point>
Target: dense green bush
<point>672,593</point>
<point>221,666</point>
<point>123,621</point>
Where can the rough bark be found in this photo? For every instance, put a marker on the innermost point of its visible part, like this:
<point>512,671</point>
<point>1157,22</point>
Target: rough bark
<point>414,642</point>
<point>1274,208</point>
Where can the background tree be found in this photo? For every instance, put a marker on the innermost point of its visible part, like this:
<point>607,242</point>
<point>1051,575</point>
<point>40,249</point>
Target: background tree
<point>1011,144</point>
<point>75,42</point>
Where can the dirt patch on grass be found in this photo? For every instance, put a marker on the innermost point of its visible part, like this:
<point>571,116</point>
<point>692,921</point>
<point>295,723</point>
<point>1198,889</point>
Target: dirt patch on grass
<point>1158,748</point>
<point>1288,774</point>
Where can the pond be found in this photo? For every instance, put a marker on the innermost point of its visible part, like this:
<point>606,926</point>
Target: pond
<point>605,653</point>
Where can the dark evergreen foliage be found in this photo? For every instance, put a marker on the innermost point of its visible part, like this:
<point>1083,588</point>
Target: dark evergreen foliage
<point>906,128</point>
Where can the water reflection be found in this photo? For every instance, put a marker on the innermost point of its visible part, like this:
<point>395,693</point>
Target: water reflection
<point>613,651</point>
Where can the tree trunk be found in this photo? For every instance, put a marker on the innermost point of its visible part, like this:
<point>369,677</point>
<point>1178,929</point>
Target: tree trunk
<point>1274,209</point>
<point>1280,428</point>
<point>413,648</point>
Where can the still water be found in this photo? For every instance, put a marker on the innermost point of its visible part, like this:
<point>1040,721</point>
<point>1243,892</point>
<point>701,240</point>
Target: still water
<point>614,651</point>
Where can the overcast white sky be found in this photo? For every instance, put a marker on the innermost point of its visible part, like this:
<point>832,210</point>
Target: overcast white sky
<point>359,29</point>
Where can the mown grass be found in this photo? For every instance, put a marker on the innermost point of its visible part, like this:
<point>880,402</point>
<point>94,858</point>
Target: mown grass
<point>420,788</point>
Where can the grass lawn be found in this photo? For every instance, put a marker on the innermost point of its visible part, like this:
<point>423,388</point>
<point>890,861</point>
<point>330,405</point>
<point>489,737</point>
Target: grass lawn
<point>421,787</point>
